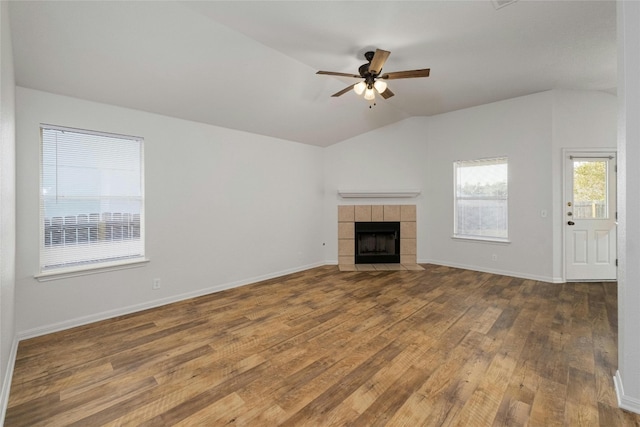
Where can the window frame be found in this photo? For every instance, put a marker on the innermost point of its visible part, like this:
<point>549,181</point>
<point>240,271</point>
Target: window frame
<point>83,268</point>
<point>479,162</point>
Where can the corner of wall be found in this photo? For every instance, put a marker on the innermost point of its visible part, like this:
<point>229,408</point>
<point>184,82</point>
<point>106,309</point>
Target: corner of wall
<point>6,380</point>
<point>8,340</point>
<point>625,402</point>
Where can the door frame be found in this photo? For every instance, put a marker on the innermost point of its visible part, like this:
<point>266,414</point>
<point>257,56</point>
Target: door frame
<point>596,152</point>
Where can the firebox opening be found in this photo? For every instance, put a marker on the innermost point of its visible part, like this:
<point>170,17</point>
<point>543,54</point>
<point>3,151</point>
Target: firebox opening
<point>377,242</point>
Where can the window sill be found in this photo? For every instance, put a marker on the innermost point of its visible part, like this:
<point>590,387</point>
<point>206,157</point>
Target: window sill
<point>482,239</point>
<point>64,273</point>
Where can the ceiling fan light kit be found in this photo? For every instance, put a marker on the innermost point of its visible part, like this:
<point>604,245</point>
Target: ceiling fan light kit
<point>371,73</point>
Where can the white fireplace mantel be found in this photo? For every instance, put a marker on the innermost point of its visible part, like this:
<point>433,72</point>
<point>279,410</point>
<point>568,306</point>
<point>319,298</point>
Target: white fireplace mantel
<point>351,194</point>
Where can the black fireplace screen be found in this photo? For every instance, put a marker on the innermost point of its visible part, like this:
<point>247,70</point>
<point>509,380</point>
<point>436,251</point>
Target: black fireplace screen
<point>377,242</point>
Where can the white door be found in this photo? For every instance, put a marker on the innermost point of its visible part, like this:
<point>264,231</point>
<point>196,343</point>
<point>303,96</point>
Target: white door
<point>590,216</point>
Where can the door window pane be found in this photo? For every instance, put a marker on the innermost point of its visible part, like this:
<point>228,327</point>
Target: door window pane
<point>590,189</point>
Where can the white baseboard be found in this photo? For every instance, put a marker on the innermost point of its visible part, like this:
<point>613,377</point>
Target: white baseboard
<point>625,402</point>
<point>483,270</point>
<point>79,321</point>
<point>6,384</point>
<point>519,275</point>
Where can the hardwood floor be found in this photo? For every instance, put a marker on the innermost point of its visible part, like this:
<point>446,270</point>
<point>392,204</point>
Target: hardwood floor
<point>319,348</point>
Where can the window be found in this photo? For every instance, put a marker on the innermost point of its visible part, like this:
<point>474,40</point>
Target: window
<point>481,199</point>
<point>91,199</point>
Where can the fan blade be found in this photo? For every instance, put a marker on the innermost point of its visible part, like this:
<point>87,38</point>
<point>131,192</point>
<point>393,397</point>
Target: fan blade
<point>378,61</point>
<point>406,74</point>
<point>331,73</point>
<point>345,90</point>
<point>387,94</point>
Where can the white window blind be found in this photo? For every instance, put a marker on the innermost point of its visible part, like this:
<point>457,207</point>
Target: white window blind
<point>91,199</point>
<point>481,196</point>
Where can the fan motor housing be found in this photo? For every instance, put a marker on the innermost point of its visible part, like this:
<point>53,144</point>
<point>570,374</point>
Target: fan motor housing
<point>364,68</point>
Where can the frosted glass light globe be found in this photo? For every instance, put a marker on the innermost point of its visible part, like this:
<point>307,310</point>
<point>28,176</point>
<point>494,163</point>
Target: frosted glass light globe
<point>369,94</point>
<point>380,86</point>
<point>359,88</point>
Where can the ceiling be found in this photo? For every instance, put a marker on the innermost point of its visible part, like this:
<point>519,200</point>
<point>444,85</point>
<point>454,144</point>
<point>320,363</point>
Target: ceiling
<point>251,65</point>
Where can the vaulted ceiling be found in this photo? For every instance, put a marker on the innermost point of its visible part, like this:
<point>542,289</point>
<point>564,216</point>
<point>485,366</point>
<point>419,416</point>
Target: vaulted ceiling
<point>250,65</point>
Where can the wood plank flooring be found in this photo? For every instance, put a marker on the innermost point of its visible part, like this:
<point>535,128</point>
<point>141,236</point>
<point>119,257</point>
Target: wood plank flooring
<point>322,347</point>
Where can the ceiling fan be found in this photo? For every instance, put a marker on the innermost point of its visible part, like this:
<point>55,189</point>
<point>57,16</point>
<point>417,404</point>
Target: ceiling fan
<point>373,79</point>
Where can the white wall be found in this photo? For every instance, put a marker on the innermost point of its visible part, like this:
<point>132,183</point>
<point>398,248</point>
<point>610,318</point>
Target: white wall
<point>627,379</point>
<point>419,153</point>
<point>520,129</point>
<point>7,209</point>
<point>223,208</point>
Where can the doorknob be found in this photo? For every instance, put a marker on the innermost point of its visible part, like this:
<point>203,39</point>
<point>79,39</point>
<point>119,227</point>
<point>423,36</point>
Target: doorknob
<point>571,223</point>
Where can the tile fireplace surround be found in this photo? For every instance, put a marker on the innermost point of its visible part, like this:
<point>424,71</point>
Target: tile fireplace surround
<point>348,215</point>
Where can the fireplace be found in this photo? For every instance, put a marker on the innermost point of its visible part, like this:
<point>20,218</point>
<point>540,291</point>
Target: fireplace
<point>350,215</point>
<point>377,242</point>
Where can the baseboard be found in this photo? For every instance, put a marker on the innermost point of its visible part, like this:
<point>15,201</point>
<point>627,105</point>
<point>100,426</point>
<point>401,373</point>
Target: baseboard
<point>625,402</point>
<point>72,323</point>
<point>6,384</point>
<point>494,271</point>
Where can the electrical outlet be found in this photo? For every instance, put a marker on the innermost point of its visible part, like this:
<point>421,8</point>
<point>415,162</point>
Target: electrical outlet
<point>156,284</point>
